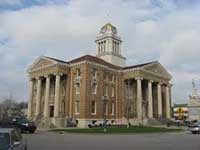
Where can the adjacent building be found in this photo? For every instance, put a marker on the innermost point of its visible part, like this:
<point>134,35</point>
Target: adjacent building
<point>194,104</point>
<point>92,88</point>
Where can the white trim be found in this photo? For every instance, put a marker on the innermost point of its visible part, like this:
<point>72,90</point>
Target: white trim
<point>55,63</point>
<point>162,68</point>
<point>95,64</point>
<point>156,74</point>
<point>131,69</point>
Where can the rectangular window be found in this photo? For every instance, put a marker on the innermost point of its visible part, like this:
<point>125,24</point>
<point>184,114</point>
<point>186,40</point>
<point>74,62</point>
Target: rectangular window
<point>113,91</point>
<point>78,88</point>
<point>94,88</point>
<point>77,107</point>
<point>106,108</point>
<point>106,90</point>
<point>113,78</point>
<point>112,109</point>
<point>78,72</point>
<point>93,107</point>
<point>94,73</point>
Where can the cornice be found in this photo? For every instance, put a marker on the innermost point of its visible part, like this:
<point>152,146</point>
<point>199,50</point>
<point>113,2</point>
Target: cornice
<point>48,66</point>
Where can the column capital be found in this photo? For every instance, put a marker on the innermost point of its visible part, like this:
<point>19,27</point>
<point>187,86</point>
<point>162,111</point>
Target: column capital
<point>150,81</point>
<point>58,74</point>
<point>30,79</point>
<point>47,76</point>
<point>138,78</point>
<point>38,78</point>
<point>169,85</point>
<point>160,83</point>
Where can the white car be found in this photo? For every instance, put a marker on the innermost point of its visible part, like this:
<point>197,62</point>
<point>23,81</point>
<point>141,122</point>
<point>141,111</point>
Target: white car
<point>195,127</point>
<point>11,139</point>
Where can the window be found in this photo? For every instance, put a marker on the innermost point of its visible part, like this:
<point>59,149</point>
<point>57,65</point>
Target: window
<point>94,88</point>
<point>113,78</point>
<point>104,46</point>
<point>94,73</point>
<point>112,109</point>
<point>78,72</point>
<point>106,109</point>
<point>107,77</point>
<point>77,107</point>
<point>93,107</point>
<point>99,48</point>
<point>106,90</point>
<point>78,88</point>
<point>113,91</point>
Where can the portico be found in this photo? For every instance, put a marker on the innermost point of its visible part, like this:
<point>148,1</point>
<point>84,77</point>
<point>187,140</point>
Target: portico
<point>150,92</point>
<point>47,92</point>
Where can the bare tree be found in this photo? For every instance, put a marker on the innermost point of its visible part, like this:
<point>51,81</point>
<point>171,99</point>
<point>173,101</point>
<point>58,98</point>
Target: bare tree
<point>128,103</point>
<point>9,107</point>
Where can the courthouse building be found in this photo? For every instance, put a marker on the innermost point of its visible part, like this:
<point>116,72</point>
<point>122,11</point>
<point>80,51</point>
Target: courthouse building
<point>92,88</point>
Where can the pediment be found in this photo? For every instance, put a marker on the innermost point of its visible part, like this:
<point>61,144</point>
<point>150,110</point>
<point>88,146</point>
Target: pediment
<point>157,69</point>
<point>41,62</point>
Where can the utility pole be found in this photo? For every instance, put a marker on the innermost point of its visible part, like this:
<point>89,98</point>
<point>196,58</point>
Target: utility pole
<point>104,100</point>
<point>128,103</point>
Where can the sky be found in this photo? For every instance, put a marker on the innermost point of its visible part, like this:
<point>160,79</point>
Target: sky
<point>163,30</point>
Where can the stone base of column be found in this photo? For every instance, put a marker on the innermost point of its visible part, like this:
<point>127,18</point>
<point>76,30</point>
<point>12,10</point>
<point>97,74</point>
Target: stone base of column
<point>158,121</point>
<point>136,121</point>
<point>58,122</point>
<point>30,118</point>
<point>47,123</point>
<point>83,123</point>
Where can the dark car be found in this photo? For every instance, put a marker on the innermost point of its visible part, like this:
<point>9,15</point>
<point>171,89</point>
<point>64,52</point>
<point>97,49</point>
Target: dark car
<point>11,139</point>
<point>24,125</point>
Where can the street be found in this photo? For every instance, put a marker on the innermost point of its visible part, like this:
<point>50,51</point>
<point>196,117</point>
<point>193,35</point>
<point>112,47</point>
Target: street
<point>43,140</point>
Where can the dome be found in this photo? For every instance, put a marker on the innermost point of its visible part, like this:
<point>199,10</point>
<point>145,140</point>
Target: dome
<point>108,28</point>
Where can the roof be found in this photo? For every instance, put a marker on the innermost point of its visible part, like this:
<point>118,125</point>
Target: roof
<point>139,65</point>
<point>96,60</point>
<point>180,105</point>
<point>6,130</point>
<point>58,60</point>
<point>99,61</point>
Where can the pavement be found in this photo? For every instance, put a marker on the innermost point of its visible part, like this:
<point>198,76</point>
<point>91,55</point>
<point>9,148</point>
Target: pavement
<point>44,140</point>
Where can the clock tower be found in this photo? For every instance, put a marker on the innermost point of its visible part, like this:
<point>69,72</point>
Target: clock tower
<point>108,45</point>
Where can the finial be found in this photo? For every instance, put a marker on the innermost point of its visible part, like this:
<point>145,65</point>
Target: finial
<point>108,17</point>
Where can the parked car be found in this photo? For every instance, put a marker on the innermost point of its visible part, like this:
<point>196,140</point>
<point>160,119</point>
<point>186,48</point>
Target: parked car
<point>102,123</point>
<point>11,139</point>
<point>195,127</point>
<point>71,122</point>
<point>23,124</point>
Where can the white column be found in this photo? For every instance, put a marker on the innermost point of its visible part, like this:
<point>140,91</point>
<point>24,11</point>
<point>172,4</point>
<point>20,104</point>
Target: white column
<point>159,92</point>
<point>30,98</point>
<point>57,96</point>
<point>46,102</point>
<point>150,100</point>
<point>168,107</point>
<point>139,98</point>
<point>38,97</point>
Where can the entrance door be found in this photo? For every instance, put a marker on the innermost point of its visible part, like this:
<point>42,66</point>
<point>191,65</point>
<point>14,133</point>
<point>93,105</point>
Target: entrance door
<point>51,111</point>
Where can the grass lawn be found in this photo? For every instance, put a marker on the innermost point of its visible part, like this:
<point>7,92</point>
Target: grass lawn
<point>134,129</point>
